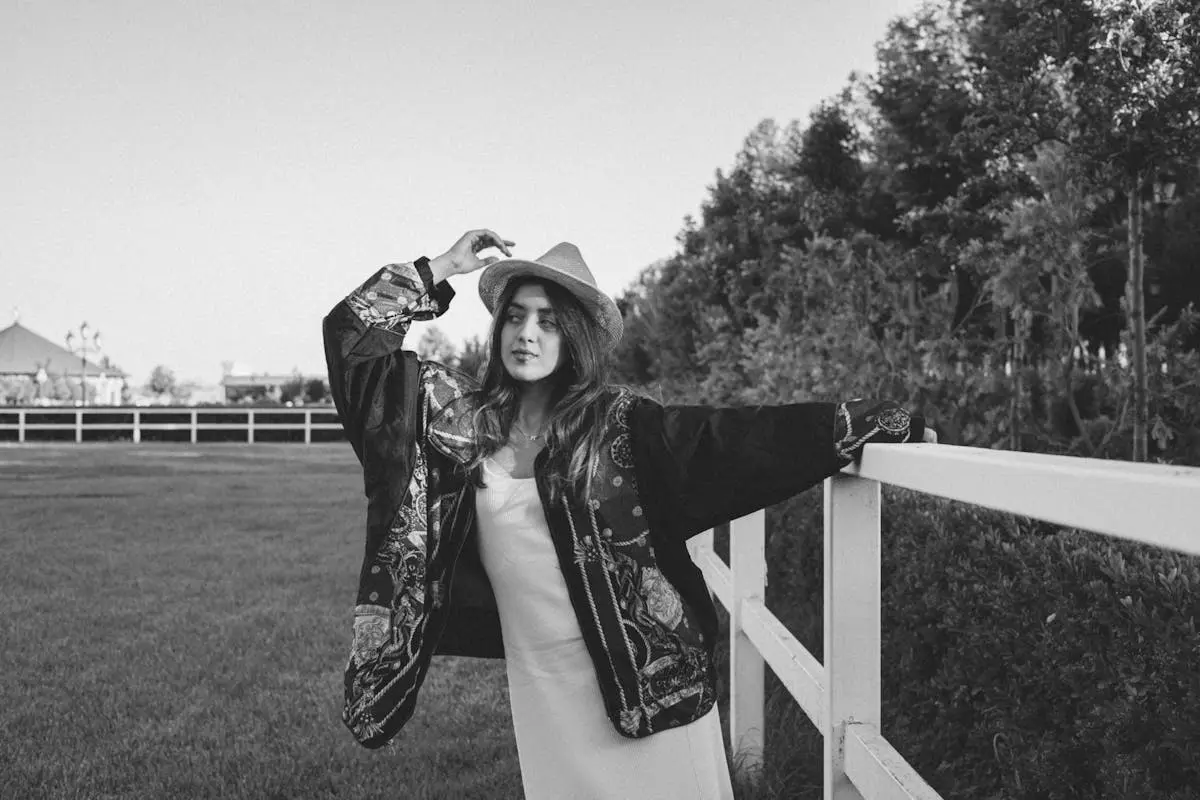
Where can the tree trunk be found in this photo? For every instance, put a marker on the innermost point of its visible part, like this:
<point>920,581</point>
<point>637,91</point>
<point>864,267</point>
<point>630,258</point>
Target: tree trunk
<point>1135,300</point>
<point>910,336</point>
<point>1018,373</point>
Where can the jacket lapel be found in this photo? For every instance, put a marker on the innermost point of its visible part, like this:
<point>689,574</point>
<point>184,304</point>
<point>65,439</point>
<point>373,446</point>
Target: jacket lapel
<point>452,430</point>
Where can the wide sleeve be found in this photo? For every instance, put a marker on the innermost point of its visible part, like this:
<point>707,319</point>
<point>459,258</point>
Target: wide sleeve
<point>700,466</point>
<point>364,336</point>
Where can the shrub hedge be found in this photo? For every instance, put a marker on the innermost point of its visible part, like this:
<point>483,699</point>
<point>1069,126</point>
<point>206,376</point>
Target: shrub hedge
<point>1020,660</point>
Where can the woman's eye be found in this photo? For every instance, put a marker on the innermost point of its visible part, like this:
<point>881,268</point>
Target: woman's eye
<point>512,318</point>
<point>549,324</point>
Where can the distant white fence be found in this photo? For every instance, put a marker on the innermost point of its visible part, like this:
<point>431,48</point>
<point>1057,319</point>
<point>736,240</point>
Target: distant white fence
<point>1148,503</point>
<point>189,424</point>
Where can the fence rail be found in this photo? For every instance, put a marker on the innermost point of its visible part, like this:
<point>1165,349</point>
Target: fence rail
<point>1148,503</point>
<point>55,424</point>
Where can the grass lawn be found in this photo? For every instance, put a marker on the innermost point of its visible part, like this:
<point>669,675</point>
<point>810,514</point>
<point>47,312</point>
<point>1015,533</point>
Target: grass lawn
<point>174,621</point>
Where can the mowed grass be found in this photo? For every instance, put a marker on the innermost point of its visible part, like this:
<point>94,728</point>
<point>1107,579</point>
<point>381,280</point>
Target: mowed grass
<point>174,623</point>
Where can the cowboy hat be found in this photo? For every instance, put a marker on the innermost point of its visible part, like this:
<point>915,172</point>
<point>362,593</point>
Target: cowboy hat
<point>562,264</point>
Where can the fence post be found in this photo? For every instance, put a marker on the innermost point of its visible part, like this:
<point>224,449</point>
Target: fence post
<point>21,425</point>
<point>79,423</point>
<point>307,426</point>
<point>250,427</point>
<point>852,620</point>
<point>700,543</point>
<point>137,426</point>
<point>748,573</point>
<point>194,419</point>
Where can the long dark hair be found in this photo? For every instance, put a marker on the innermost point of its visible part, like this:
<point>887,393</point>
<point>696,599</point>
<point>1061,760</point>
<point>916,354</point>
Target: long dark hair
<point>578,403</point>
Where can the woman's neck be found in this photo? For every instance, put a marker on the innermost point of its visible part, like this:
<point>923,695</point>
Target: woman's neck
<point>534,410</point>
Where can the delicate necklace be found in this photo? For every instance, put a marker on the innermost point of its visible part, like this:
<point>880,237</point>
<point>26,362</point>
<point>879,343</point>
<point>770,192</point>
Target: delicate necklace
<point>530,436</point>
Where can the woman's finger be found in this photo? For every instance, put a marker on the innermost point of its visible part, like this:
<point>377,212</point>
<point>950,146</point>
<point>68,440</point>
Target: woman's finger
<point>501,244</point>
<point>487,262</point>
<point>930,436</point>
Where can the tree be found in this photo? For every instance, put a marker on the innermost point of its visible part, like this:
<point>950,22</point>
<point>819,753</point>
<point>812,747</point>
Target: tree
<point>16,390</point>
<point>315,391</point>
<point>59,388</point>
<point>1040,280</point>
<point>435,345</point>
<point>162,381</point>
<point>473,357</point>
<point>293,390</point>
<point>1140,93</point>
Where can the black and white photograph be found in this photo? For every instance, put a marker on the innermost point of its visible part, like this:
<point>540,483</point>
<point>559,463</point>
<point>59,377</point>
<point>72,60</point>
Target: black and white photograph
<point>566,400</point>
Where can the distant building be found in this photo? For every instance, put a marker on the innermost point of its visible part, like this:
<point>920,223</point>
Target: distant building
<point>36,371</point>
<point>269,388</point>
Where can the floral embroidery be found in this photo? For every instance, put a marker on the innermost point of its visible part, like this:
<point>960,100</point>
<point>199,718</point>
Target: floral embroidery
<point>389,641</point>
<point>669,657</point>
<point>894,420</point>
<point>392,298</point>
<point>852,430</point>
<point>621,452</point>
<point>618,413</point>
<point>662,601</point>
<point>370,632</point>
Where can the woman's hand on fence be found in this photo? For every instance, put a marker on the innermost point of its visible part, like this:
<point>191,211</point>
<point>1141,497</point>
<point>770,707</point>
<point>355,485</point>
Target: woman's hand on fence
<point>463,256</point>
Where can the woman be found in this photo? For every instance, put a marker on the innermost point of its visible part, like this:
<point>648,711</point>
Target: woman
<point>543,517</point>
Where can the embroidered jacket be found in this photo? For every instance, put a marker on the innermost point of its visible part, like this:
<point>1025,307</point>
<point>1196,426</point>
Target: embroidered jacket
<point>666,474</point>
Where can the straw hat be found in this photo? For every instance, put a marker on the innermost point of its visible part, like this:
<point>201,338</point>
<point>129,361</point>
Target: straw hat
<point>562,264</point>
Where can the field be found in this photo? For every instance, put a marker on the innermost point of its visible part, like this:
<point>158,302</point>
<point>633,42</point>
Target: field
<point>174,622</point>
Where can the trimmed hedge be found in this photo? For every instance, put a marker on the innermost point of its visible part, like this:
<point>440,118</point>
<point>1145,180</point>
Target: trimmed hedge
<point>1019,660</point>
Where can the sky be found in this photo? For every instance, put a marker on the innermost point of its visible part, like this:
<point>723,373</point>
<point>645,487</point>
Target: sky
<point>202,181</point>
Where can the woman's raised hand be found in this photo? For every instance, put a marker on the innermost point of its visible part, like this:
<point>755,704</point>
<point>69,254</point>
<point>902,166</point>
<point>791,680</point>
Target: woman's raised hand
<point>463,258</point>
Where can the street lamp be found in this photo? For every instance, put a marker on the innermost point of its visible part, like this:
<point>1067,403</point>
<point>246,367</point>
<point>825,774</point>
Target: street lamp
<point>40,379</point>
<point>89,340</point>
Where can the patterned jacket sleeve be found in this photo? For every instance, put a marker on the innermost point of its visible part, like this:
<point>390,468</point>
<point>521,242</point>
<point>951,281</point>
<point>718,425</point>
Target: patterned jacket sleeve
<point>375,386</point>
<point>700,466</point>
<point>363,338</point>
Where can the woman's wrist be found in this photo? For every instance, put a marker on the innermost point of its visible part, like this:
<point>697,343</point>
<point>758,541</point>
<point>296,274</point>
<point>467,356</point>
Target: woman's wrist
<point>441,268</point>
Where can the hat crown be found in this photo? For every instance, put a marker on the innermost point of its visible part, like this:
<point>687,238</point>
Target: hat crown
<point>566,257</point>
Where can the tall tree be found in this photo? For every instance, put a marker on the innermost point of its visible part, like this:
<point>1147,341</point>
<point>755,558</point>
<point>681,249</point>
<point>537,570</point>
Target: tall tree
<point>1140,93</point>
<point>473,356</point>
<point>162,381</point>
<point>435,345</point>
<point>1040,277</point>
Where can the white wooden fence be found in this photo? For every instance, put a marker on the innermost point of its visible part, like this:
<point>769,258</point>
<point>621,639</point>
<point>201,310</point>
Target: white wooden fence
<point>102,422</point>
<point>1149,503</point>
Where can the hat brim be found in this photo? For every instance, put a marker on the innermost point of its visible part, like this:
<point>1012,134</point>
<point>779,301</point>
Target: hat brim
<point>602,308</point>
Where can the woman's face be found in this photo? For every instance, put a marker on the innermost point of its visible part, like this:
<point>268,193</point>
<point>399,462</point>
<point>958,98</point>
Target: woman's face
<point>531,341</point>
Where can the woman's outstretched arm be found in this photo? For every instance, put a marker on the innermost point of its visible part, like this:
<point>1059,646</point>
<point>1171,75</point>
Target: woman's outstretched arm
<point>700,466</point>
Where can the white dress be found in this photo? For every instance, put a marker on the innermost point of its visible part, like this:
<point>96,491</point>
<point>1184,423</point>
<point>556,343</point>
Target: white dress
<point>567,746</point>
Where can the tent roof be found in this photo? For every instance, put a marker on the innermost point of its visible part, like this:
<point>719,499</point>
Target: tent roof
<point>22,352</point>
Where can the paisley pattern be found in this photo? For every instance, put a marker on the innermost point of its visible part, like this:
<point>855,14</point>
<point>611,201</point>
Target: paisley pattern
<point>370,633</point>
<point>662,601</point>
<point>392,298</point>
<point>669,660</point>
<point>385,637</point>
<point>856,424</point>
<point>389,632</point>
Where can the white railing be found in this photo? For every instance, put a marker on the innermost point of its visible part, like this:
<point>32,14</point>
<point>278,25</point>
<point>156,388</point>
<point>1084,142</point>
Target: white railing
<point>1148,503</point>
<point>134,421</point>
